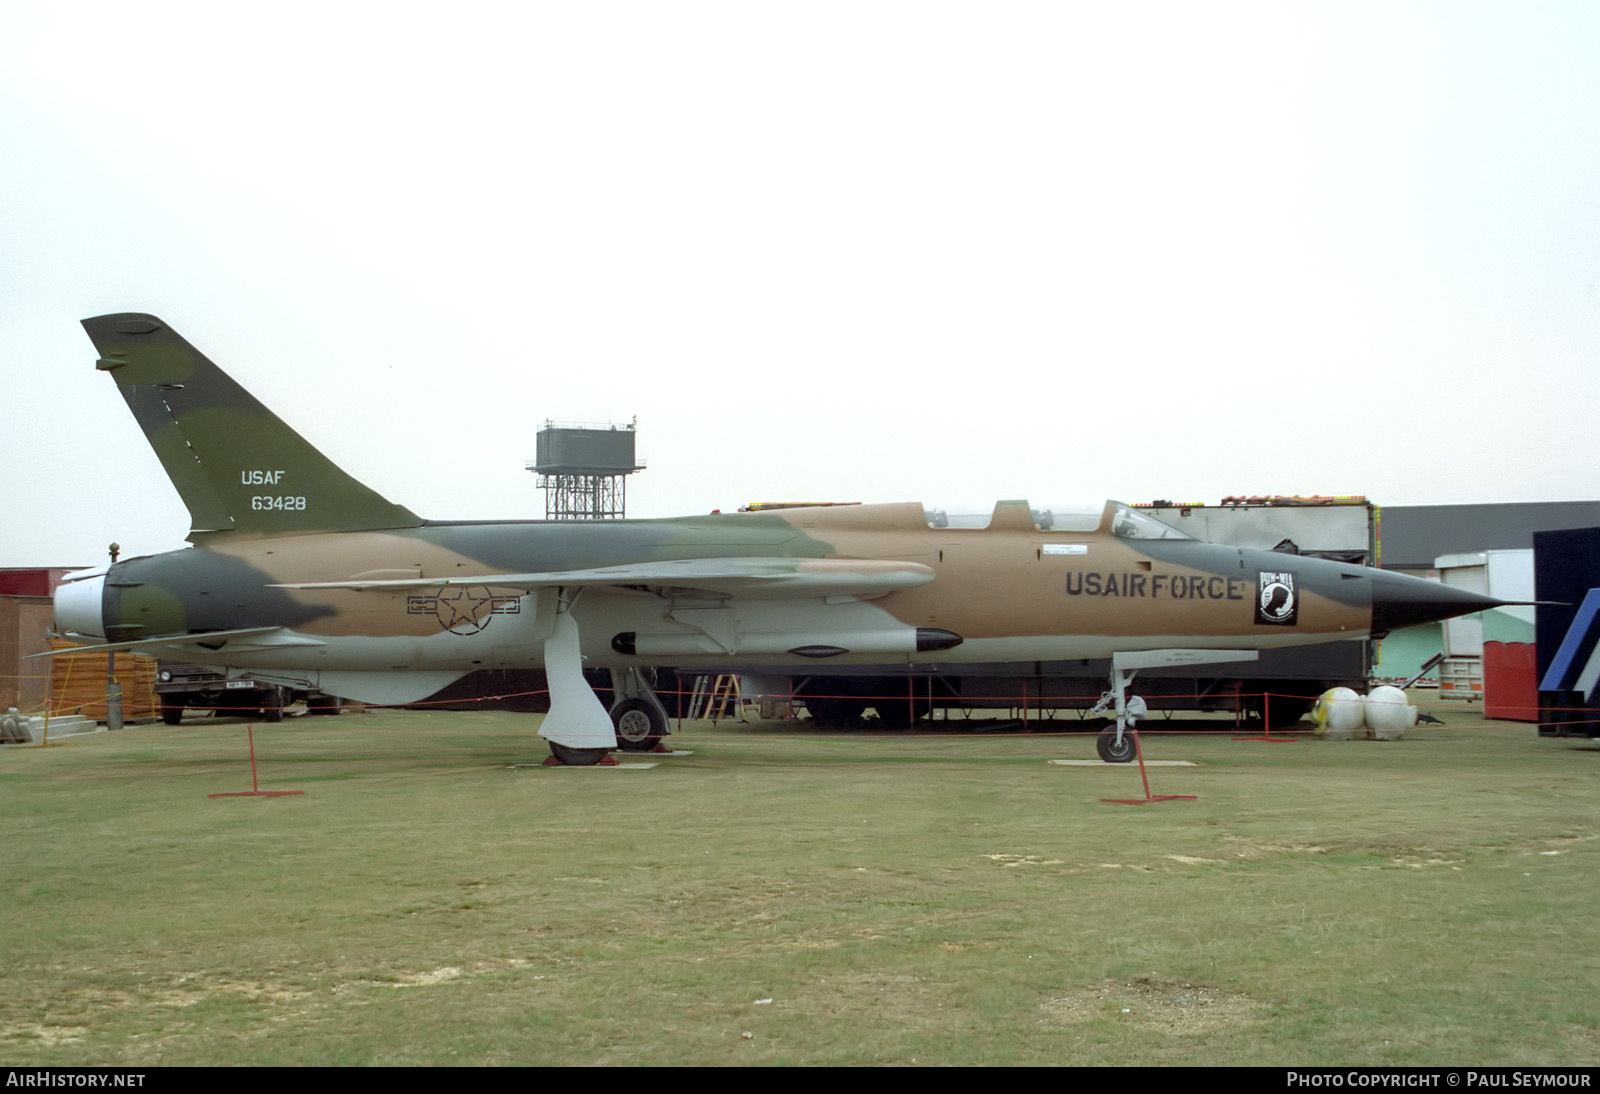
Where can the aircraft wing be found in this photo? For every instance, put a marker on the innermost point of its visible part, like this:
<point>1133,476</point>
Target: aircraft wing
<point>763,577</point>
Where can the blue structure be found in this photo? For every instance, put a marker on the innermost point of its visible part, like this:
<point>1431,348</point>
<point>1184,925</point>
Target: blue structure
<point>1576,665</point>
<point>1567,586</point>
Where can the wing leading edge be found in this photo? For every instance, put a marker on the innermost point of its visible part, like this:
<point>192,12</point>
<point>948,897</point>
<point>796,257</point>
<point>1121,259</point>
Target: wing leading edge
<point>759,577</point>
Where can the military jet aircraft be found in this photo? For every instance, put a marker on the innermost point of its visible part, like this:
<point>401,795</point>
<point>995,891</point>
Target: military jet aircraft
<point>307,578</point>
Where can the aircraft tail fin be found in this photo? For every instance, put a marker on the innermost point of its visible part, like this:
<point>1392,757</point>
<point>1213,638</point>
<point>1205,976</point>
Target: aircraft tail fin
<point>236,465</point>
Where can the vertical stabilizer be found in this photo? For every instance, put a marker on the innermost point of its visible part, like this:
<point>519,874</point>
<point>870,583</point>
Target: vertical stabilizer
<point>236,465</point>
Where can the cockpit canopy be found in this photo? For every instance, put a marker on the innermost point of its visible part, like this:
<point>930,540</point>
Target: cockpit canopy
<point>1112,516</point>
<point>1130,523</point>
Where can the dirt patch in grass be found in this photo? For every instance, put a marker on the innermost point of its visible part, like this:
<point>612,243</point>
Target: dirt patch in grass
<point>185,992</point>
<point>1024,860</point>
<point>442,975</point>
<point>1169,1006</point>
<point>48,1036</point>
<point>1253,847</point>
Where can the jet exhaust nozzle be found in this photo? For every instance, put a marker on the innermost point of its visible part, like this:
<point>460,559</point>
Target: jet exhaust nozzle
<point>79,604</point>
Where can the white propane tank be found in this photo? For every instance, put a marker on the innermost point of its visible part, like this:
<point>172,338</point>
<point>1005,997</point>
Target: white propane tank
<point>1388,713</point>
<point>1339,714</point>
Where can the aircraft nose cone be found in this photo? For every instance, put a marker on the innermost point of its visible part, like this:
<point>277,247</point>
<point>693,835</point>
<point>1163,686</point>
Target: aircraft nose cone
<point>1399,600</point>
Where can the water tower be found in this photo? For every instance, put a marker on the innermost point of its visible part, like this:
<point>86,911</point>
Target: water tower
<point>583,470</point>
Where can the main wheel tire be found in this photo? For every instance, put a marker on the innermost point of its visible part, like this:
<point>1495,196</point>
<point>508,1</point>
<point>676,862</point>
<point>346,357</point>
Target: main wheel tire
<point>1113,753</point>
<point>639,725</point>
<point>172,715</point>
<point>577,757</point>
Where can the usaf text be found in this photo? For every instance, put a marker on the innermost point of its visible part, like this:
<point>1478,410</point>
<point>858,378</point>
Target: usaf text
<point>1171,586</point>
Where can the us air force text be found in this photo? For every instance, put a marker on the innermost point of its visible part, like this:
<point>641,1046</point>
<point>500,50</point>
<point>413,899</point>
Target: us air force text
<point>1172,586</point>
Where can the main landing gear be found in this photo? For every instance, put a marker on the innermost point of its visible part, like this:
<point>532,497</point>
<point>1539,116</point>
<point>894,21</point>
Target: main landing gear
<point>640,724</point>
<point>577,757</point>
<point>639,717</point>
<point>578,728</point>
<point>580,731</point>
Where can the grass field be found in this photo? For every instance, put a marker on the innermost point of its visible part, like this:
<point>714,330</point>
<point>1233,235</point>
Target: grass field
<point>787,897</point>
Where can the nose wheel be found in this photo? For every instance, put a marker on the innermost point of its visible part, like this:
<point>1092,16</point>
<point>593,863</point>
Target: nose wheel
<point>1116,745</point>
<point>1116,748</point>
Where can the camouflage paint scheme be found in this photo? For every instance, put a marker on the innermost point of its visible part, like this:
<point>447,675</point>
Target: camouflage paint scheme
<point>306,577</point>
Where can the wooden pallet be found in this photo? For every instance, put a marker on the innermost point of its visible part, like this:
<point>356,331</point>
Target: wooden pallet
<point>78,683</point>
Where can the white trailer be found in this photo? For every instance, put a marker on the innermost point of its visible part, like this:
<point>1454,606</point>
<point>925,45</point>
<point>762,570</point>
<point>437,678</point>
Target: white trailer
<point>1504,575</point>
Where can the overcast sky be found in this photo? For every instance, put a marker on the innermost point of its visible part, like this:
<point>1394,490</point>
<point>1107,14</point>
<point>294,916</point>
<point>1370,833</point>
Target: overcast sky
<point>827,251</point>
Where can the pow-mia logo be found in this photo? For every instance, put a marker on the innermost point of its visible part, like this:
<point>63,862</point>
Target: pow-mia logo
<point>1276,602</point>
<point>462,609</point>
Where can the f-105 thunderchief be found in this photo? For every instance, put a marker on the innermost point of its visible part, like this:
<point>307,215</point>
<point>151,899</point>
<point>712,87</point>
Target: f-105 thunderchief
<point>309,580</point>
